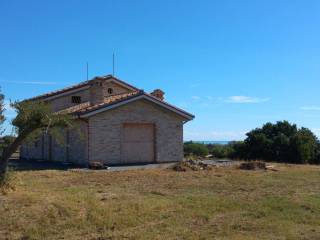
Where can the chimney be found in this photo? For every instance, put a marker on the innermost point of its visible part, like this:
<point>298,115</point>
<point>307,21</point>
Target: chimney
<point>96,91</point>
<point>158,93</point>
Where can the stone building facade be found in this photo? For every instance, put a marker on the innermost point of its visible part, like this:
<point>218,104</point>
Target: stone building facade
<point>116,123</point>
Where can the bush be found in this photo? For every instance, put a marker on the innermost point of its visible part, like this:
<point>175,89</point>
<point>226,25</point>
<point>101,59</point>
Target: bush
<point>197,149</point>
<point>231,150</point>
<point>220,150</point>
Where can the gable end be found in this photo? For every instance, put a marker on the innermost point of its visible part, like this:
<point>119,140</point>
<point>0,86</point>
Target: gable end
<point>144,96</point>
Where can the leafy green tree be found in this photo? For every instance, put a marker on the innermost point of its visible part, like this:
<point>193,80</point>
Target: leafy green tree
<point>304,147</point>
<point>282,142</point>
<point>5,141</point>
<point>33,119</point>
<point>259,145</point>
<point>239,150</point>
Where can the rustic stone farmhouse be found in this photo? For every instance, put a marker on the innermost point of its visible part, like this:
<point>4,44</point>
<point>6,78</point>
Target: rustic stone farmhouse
<point>119,124</point>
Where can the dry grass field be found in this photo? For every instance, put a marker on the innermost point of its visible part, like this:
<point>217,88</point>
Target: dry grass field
<point>224,203</point>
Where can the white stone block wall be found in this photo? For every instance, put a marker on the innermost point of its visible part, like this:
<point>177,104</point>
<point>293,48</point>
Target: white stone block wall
<point>105,132</point>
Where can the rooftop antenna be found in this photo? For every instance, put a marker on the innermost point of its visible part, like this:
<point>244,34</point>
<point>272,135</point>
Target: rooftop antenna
<point>113,64</point>
<point>87,71</point>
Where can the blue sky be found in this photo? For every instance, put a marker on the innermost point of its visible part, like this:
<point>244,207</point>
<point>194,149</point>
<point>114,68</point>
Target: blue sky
<point>234,64</point>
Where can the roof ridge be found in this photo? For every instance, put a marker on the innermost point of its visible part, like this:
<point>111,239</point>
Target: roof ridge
<point>75,86</point>
<point>52,93</point>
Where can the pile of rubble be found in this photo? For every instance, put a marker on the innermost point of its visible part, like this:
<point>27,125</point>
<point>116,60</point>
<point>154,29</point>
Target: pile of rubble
<point>194,165</point>
<point>257,165</point>
<point>97,166</point>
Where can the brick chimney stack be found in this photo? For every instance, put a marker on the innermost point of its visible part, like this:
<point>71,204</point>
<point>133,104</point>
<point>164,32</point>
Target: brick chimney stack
<point>158,93</point>
<point>96,91</point>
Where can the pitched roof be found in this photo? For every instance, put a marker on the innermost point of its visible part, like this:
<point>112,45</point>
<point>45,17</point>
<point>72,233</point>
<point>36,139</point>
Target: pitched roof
<point>57,92</point>
<point>87,107</point>
<point>87,110</point>
<point>78,87</point>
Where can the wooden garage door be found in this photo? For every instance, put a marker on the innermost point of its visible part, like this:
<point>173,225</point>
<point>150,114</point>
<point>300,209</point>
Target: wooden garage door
<point>137,143</point>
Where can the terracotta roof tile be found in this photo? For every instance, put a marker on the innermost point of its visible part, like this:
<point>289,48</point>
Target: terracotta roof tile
<point>75,108</point>
<point>86,107</point>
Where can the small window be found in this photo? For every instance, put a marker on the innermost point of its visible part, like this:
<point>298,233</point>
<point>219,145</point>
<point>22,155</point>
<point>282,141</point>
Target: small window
<point>76,99</point>
<point>110,90</point>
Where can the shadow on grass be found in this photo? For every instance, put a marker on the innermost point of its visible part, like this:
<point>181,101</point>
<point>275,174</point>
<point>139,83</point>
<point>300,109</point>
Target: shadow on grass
<point>17,164</point>
<point>32,165</point>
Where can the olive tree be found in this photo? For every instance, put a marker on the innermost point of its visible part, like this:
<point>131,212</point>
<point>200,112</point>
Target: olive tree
<point>33,119</point>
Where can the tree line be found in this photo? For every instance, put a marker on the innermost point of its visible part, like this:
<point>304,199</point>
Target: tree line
<point>278,142</point>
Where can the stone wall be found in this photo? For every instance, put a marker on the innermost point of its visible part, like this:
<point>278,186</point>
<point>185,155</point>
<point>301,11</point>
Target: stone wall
<point>78,145</point>
<point>117,89</point>
<point>105,132</point>
<point>64,102</point>
<point>99,90</point>
<point>70,147</point>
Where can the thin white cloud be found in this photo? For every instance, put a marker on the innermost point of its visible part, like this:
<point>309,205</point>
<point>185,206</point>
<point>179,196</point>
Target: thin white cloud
<point>246,99</point>
<point>311,108</point>
<point>30,82</point>
<point>195,97</point>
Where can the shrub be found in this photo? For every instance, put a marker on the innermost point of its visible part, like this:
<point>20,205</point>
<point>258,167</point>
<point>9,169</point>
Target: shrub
<point>220,150</point>
<point>197,149</point>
